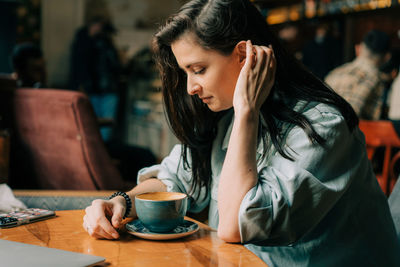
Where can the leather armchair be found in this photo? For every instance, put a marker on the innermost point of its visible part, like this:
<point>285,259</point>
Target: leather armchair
<point>56,143</point>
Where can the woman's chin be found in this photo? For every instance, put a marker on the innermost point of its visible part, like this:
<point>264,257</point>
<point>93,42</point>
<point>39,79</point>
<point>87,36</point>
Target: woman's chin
<point>218,108</point>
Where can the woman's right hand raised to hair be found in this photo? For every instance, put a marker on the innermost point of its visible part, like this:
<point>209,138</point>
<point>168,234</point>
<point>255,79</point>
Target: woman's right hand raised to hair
<point>255,80</point>
<point>104,217</point>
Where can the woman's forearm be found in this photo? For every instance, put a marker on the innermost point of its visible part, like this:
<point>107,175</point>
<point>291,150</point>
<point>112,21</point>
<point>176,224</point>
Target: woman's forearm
<point>238,175</point>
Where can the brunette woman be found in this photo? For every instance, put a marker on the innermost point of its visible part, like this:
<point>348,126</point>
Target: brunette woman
<point>274,152</point>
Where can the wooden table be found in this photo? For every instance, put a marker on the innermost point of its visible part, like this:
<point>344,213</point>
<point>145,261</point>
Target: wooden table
<point>65,231</point>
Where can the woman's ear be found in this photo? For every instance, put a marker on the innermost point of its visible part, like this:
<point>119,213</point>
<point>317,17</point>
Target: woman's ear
<point>241,51</point>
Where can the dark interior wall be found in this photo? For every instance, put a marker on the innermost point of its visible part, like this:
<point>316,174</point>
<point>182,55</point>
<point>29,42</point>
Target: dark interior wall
<point>387,20</point>
<point>8,22</point>
<point>349,28</point>
<point>358,24</point>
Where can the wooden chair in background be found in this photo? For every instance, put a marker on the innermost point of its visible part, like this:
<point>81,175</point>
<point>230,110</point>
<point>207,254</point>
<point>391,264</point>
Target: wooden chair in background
<point>382,134</point>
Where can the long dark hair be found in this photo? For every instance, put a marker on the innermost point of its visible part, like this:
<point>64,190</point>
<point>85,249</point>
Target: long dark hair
<point>220,25</point>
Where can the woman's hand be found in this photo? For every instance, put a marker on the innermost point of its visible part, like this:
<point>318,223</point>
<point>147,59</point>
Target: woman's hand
<point>103,217</point>
<point>255,79</point>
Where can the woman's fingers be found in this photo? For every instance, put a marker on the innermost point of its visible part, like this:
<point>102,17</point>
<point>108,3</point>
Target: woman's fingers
<point>265,55</point>
<point>261,58</point>
<point>274,64</point>
<point>104,229</point>
<point>118,212</point>
<point>97,232</point>
<point>250,56</point>
<point>273,68</point>
<point>96,223</point>
<point>263,73</point>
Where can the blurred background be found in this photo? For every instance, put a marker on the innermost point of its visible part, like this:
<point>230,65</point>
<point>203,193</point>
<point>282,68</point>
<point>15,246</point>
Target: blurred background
<point>302,25</point>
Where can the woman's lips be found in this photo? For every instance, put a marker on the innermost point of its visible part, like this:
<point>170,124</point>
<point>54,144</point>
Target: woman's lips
<point>206,99</point>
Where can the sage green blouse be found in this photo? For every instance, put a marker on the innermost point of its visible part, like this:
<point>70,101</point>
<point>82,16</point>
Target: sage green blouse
<point>325,208</point>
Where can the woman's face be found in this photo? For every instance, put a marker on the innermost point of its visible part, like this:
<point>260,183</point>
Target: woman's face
<point>210,75</point>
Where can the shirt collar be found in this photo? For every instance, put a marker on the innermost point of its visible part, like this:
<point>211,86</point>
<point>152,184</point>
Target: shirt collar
<point>366,62</point>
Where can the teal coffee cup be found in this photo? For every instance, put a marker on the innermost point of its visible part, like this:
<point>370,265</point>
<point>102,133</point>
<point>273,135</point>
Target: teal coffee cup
<point>161,212</point>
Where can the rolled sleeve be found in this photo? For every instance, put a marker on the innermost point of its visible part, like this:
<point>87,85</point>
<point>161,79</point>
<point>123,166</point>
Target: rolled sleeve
<point>255,214</point>
<point>292,197</point>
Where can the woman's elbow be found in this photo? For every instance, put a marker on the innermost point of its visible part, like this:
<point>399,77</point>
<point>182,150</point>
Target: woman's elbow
<point>229,235</point>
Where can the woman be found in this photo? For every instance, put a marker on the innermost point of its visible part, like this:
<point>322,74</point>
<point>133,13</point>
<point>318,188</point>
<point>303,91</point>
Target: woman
<point>276,155</point>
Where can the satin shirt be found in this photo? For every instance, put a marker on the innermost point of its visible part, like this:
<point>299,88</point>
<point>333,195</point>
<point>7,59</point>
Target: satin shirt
<point>324,208</point>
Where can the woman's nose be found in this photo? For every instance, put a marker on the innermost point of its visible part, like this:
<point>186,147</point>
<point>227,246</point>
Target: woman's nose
<point>192,88</point>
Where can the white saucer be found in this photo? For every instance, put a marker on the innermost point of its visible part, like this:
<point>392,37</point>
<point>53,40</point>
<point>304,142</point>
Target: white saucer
<point>136,228</point>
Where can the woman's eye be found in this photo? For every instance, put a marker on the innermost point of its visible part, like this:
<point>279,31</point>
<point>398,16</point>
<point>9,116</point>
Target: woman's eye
<point>199,71</point>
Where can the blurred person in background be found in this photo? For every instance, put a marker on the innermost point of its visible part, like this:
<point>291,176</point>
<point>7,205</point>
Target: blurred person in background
<point>29,66</point>
<point>288,35</point>
<point>389,72</point>
<point>360,81</point>
<point>82,60</point>
<point>394,103</point>
<point>323,53</point>
<point>96,69</point>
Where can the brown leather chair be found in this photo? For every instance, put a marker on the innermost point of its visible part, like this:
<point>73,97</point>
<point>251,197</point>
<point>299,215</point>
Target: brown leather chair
<point>382,134</point>
<point>57,144</point>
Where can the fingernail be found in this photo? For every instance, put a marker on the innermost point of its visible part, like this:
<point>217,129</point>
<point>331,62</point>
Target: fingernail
<point>115,235</point>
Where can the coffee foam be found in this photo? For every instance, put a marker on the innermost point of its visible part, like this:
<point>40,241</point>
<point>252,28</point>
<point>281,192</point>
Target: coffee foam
<point>161,196</point>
